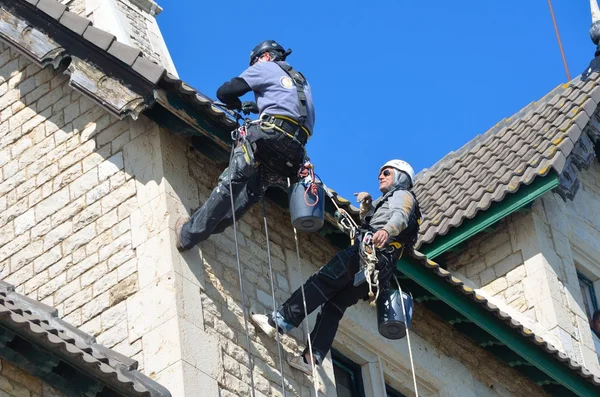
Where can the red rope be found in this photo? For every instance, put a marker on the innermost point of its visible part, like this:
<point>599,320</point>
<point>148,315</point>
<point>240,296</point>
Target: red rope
<point>312,188</point>
<point>560,46</point>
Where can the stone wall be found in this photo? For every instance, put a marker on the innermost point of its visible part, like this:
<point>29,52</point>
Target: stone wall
<point>87,209</point>
<point>493,261</point>
<point>66,201</point>
<point>527,264</point>
<point>14,382</point>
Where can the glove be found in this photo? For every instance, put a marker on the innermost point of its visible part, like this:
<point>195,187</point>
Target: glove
<point>363,197</point>
<point>236,105</point>
<point>249,107</point>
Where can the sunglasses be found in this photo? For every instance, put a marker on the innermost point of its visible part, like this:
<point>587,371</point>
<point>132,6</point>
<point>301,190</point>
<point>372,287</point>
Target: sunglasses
<point>387,172</point>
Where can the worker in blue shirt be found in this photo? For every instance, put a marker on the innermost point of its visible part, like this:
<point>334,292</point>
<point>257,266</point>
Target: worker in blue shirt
<point>273,144</point>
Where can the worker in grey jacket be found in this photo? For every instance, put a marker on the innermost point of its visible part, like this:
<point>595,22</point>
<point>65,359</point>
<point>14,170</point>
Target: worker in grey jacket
<point>393,223</point>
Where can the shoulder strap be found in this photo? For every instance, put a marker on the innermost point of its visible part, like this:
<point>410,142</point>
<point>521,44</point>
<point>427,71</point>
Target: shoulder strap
<point>417,209</point>
<point>299,81</point>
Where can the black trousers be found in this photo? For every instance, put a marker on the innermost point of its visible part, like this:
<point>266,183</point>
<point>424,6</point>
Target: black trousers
<point>278,152</point>
<point>332,287</point>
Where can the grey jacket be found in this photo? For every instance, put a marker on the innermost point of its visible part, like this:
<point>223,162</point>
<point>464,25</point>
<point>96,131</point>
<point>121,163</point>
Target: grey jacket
<point>393,214</point>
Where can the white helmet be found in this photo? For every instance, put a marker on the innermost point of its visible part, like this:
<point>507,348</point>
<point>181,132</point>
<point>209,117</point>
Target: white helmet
<point>403,166</point>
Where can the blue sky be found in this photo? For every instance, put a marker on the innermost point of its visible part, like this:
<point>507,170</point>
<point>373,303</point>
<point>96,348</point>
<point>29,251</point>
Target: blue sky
<point>407,79</point>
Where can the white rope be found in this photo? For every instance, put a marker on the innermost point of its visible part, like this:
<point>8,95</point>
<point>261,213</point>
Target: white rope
<point>264,209</point>
<point>307,330</point>
<point>368,264</point>
<point>367,253</point>
<point>237,255</point>
<point>412,365</point>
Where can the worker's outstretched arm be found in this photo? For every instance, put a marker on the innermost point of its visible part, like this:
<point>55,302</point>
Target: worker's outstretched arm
<point>230,92</point>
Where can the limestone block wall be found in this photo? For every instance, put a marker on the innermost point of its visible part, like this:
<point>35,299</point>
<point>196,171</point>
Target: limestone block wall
<point>529,263</point>
<point>495,264</point>
<point>66,201</point>
<point>87,209</point>
<point>14,382</point>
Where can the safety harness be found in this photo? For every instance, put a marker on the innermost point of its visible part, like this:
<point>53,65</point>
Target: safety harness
<point>275,164</point>
<point>299,81</point>
<point>368,252</point>
<point>409,235</point>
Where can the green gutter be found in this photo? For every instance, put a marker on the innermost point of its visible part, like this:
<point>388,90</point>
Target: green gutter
<point>487,321</point>
<point>496,212</point>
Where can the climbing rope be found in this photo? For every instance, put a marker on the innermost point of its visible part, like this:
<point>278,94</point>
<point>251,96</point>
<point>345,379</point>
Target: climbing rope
<point>310,351</point>
<point>239,266</point>
<point>346,221</point>
<point>367,250</point>
<point>560,46</point>
<point>368,263</point>
<point>307,173</point>
<point>264,211</point>
<point>412,364</point>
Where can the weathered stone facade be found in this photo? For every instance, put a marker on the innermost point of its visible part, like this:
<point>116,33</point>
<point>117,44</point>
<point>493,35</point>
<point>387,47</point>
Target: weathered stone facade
<point>14,382</point>
<point>87,209</point>
<point>66,200</point>
<point>530,262</point>
<point>133,22</point>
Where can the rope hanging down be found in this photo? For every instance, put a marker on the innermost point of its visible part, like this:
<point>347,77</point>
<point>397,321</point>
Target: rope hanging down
<point>264,211</point>
<point>310,352</point>
<point>412,364</point>
<point>560,46</point>
<point>239,266</point>
<point>368,265</point>
<point>240,134</point>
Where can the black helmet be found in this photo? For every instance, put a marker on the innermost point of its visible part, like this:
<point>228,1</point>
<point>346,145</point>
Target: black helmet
<point>268,46</point>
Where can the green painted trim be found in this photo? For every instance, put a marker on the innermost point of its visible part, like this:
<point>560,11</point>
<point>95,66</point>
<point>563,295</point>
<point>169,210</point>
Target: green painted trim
<point>487,321</point>
<point>496,212</point>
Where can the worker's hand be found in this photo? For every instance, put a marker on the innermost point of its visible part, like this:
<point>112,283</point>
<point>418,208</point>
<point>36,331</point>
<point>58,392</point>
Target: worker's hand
<point>363,197</point>
<point>235,105</point>
<point>249,107</point>
<point>380,237</point>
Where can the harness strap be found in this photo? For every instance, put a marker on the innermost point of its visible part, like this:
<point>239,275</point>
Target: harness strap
<point>299,81</point>
<point>408,235</point>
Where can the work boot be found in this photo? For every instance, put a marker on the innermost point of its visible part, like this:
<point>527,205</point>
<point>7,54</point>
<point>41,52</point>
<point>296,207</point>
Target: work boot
<point>178,226</point>
<point>298,363</point>
<point>265,323</point>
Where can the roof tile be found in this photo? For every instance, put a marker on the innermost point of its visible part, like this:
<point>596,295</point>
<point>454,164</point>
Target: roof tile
<point>125,53</point>
<point>511,153</point>
<point>74,22</point>
<point>52,8</point>
<point>98,37</point>
<point>148,69</point>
